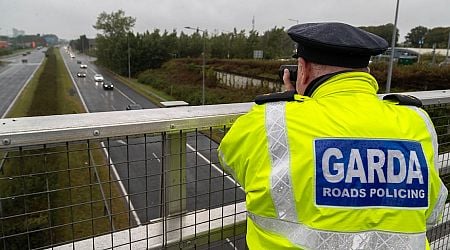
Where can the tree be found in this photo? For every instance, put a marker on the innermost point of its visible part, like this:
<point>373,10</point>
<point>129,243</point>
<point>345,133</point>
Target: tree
<point>277,44</point>
<point>416,36</point>
<point>112,43</point>
<point>384,31</point>
<point>438,36</point>
<point>114,24</point>
<point>220,45</point>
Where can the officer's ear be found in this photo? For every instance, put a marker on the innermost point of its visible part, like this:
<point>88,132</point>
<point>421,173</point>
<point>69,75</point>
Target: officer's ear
<point>303,75</point>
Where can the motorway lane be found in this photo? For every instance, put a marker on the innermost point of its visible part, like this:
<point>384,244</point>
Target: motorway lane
<point>206,185</point>
<point>97,99</point>
<point>141,172</point>
<point>14,75</point>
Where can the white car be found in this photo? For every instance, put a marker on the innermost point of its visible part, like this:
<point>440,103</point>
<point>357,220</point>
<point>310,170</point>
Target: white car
<point>81,74</point>
<point>98,78</point>
<point>83,66</point>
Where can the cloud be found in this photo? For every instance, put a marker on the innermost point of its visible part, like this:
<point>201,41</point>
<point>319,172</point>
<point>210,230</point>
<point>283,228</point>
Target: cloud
<point>69,19</point>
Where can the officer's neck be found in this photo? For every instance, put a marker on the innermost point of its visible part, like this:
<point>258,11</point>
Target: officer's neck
<point>314,84</point>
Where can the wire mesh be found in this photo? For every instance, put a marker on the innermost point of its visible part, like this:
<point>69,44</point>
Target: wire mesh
<point>151,191</point>
<point>167,185</point>
<point>440,114</point>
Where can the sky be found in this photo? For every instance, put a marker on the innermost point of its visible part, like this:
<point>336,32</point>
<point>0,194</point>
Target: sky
<point>69,19</point>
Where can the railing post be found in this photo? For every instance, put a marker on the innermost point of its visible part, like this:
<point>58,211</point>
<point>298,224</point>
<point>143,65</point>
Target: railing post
<point>175,167</point>
<point>175,173</point>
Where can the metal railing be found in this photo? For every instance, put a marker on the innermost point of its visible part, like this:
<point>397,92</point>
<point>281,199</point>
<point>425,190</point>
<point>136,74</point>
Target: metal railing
<point>142,179</point>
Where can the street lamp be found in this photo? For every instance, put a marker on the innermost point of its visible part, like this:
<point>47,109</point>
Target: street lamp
<point>129,61</point>
<point>448,46</point>
<point>391,61</point>
<point>203,66</point>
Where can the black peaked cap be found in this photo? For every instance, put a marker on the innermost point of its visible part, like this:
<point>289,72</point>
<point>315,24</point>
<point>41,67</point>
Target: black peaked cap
<point>336,44</point>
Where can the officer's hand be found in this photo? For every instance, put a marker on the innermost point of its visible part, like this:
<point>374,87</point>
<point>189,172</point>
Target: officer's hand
<point>286,80</point>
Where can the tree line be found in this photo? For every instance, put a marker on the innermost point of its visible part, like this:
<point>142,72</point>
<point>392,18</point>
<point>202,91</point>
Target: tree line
<point>117,45</point>
<point>421,36</point>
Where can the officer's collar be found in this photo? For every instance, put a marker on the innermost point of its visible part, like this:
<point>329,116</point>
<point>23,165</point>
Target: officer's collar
<point>319,80</point>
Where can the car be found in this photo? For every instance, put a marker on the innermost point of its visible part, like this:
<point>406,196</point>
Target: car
<point>133,106</point>
<point>79,61</point>
<point>108,86</point>
<point>72,56</point>
<point>98,78</point>
<point>24,54</point>
<point>24,60</point>
<point>83,66</point>
<point>81,74</point>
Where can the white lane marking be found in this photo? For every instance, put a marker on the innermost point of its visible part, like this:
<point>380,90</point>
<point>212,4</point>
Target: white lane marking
<point>129,99</point>
<point>116,175</point>
<point>20,91</point>
<point>76,87</point>
<point>231,244</point>
<point>156,157</point>
<point>212,164</point>
<point>122,142</point>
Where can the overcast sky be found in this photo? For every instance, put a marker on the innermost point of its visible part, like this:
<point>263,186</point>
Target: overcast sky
<point>69,19</point>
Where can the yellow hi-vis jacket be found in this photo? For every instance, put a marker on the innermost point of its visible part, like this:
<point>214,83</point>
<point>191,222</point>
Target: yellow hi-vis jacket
<point>339,170</point>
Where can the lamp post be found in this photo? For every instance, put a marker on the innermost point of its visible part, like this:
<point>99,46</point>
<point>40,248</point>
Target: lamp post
<point>448,46</point>
<point>203,66</point>
<point>391,61</point>
<point>129,61</point>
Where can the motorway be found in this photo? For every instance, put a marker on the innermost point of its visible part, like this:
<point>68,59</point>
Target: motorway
<point>14,75</point>
<point>138,161</point>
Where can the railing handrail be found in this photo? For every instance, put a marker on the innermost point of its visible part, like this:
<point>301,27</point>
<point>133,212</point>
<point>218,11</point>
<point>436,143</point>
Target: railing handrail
<point>62,128</point>
<point>72,127</point>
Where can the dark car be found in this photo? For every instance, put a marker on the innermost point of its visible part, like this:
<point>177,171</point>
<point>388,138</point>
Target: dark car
<point>24,60</point>
<point>133,106</point>
<point>79,62</point>
<point>108,85</point>
<point>81,74</point>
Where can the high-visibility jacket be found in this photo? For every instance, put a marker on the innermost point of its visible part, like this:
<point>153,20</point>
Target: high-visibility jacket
<point>341,169</point>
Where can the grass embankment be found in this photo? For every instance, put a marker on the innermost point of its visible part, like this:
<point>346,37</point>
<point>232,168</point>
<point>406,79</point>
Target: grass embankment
<point>182,78</point>
<point>52,194</point>
<point>183,81</point>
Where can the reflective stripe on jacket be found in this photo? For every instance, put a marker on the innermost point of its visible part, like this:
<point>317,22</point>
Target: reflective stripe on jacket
<point>339,170</point>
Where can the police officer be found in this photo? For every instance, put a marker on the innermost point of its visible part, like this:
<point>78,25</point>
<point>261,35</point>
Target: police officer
<point>330,165</point>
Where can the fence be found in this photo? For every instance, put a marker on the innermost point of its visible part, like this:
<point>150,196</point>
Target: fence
<point>141,179</point>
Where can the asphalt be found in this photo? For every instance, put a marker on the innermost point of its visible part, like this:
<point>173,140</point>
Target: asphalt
<point>138,160</point>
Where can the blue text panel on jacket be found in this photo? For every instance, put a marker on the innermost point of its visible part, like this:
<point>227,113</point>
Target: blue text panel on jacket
<point>370,173</point>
